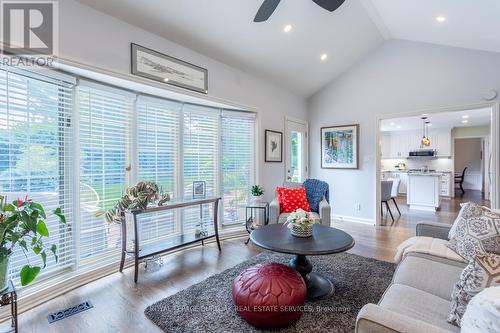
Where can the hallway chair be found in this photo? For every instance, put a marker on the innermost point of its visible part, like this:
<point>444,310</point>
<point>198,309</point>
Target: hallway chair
<point>323,212</point>
<point>395,191</point>
<point>459,179</point>
<point>385,196</point>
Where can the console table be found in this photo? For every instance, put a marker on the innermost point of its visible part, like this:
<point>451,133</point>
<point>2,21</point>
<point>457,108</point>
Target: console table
<point>148,250</point>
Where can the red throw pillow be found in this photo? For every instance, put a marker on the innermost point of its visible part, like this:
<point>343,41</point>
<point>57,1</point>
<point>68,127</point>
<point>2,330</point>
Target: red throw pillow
<point>291,199</point>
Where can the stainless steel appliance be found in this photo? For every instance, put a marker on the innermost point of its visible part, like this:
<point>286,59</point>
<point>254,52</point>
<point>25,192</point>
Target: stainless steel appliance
<point>422,153</point>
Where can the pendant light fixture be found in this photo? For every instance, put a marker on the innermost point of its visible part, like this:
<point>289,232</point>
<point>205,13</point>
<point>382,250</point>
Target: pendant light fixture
<point>425,142</point>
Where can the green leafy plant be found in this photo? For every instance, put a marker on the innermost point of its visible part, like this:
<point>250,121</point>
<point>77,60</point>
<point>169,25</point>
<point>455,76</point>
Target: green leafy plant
<point>135,197</point>
<point>22,223</point>
<point>257,190</point>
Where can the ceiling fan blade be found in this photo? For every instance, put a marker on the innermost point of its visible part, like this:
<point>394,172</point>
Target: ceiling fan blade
<point>266,10</point>
<point>329,5</point>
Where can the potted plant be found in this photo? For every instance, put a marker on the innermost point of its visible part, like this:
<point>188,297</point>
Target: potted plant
<point>136,197</point>
<point>301,223</point>
<point>257,192</point>
<point>22,223</point>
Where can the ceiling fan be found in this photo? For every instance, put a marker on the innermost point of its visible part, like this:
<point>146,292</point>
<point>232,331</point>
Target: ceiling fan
<point>268,6</point>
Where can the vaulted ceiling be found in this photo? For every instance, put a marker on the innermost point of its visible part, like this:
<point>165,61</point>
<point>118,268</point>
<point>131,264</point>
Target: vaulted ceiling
<point>224,30</point>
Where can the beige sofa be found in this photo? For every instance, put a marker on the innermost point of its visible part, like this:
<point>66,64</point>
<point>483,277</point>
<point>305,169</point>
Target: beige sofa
<point>418,299</point>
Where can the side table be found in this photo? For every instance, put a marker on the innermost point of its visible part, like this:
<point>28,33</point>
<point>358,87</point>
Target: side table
<point>9,296</point>
<point>251,208</point>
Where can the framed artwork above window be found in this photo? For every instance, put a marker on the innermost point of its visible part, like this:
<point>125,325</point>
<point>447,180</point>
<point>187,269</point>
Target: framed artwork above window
<point>166,69</point>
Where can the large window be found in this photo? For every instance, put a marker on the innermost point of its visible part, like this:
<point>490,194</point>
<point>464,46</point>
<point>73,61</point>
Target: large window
<point>35,119</point>
<point>158,130</point>
<point>105,120</point>
<point>78,145</point>
<point>238,167</point>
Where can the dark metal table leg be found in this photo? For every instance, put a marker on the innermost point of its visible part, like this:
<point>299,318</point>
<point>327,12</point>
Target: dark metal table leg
<point>318,287</point>
<point>14,312</point>
<point>136,251</point>
<point>124,244</point>
<point>216,222</point>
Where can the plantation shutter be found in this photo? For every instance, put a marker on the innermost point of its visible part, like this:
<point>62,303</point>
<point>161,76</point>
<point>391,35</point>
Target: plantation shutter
<point>105,135</point>
<point>200,158</point>
<point>158,139</point>
<point>238,163</point>
<point>35,148</point>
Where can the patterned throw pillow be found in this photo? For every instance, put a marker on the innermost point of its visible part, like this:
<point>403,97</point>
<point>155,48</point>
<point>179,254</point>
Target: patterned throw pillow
<point>291,199</point>
<point>477,231</point>
<point>481,273</point>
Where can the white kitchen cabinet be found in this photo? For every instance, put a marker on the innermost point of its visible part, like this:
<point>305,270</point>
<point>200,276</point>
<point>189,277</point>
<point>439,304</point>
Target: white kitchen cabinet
<point>397,145</point>
<point>446,184</point>
<point>403,186</point>
<point>443,145</point>
<point>424,191</point>
<point>385,145</point>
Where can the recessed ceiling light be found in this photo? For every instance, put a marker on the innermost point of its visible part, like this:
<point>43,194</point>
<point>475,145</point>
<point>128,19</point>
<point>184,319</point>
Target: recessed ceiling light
<point>398,127</point>
<point>425,114</point>
<point>465,117</point>
<point>324,56</point>
<point>287,28</point>
<point>393,123</point>
<point>429,124</point>
<point>165,79</point>
<point>440,19</point>
<point>465,121</point>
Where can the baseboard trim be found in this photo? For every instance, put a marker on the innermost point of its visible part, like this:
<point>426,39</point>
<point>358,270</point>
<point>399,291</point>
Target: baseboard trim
<point>343,218</point>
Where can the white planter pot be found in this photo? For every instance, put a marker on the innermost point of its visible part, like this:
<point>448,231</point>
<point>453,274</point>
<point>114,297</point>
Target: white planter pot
<point>299,232</point>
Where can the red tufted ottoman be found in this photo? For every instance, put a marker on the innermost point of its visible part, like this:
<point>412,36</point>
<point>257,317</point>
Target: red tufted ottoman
<point>270,295</point>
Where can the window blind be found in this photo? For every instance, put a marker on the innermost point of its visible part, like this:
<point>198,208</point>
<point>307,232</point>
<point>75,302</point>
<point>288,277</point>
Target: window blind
<point>158,139</point>
<point>105,134</point>
<point>200,159</point>
<point>35,156</point>
<point>238,166</point>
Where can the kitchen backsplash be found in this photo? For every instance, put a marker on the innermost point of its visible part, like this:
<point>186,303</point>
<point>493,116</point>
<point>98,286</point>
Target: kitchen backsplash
<point>439,164</point>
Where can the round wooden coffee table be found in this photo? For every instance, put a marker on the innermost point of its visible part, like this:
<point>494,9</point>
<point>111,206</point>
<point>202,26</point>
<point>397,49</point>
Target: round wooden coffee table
<point>325,240</point>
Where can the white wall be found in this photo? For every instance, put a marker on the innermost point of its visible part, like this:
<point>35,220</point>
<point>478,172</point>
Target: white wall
<point>92,38</point>
<point>470,132</point>
<point>399,77</point>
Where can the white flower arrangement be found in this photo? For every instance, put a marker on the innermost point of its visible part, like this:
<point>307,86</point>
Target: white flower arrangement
<point>301,219</point>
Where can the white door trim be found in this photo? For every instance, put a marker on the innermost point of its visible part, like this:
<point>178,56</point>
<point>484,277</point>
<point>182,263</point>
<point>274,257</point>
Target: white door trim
<point>495,145</point>
<point>306,152</point>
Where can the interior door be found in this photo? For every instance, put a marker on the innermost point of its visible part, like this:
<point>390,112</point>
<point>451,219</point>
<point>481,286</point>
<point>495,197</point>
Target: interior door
<point>296,155</point>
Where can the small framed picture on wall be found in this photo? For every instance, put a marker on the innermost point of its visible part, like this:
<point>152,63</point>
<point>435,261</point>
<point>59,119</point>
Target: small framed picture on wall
<point>274,146</point>
<point>339,147</point>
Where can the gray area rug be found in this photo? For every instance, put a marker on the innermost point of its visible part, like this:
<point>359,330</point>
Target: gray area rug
<point>208,307</point>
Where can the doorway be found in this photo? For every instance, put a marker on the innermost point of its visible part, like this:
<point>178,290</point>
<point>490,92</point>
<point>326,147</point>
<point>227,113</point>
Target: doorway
<point>435,147</point>
<point>296,152</point>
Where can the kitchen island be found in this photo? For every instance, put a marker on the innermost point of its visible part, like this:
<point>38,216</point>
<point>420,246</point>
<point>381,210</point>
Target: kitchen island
<point>424,190</point>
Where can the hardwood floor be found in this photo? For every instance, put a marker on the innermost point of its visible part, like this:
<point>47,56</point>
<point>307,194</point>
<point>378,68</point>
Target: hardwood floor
<point>446,214</point>
<point>119,303</point>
